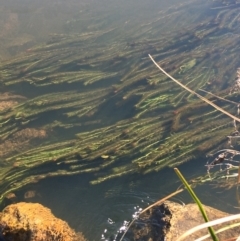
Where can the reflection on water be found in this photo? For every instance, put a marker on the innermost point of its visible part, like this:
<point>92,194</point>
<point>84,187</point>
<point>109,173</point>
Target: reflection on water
<point>94,209</point>
<point>91,208</point>
<point>80,96</point>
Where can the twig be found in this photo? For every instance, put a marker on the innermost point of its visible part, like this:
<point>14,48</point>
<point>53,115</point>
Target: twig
<point>194,93</point>
<point>147,208</point>
<point>220,98</point>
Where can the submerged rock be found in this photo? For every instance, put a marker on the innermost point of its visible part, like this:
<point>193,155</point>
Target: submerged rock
<point>8,100</point>
<point>34,222</point>
<point>30,194</point>
<point>170,220</point>
<point>20,141</point>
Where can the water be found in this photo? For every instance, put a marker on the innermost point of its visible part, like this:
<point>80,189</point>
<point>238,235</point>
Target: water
<point>101,209</point>
<point>95,209</point>
<point>90,208</point>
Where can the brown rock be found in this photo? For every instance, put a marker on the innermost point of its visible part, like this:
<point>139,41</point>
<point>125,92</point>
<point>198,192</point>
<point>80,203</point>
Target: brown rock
<point>8,100</point>
<point>20,141</point>
<point>185,217</point>
<point>152,225</point>
<point>30,194</point>
<point>170,220</point>
<point>11,196</point>
<point>33,222</point>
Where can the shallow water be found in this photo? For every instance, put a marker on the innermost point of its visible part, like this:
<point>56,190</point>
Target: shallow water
<point>93,209</point>
<point>98,210</point>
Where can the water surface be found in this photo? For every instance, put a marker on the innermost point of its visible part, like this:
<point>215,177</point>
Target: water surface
<point>89,208</point>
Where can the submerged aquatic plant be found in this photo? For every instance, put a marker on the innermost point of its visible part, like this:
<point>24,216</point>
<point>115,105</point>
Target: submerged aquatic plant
<point>226,155</point>
<point>154,123</point>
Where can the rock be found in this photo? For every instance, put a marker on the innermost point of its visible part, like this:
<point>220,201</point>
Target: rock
<point>189,216</point>
<point>30,194</point>
<point>11,196</point>
<point>8,100</point>
<point>34,222</point>
<point>170,220</point>
<point>152,225</point>
<point>20,141</point>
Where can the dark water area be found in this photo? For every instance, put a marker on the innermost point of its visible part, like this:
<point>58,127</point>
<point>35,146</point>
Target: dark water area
<point>90,208</point>
<point>122,126</point>
<point>98,210</point>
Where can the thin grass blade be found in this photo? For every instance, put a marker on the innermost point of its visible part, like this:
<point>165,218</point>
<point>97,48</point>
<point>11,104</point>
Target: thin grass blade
<point>197,201</point>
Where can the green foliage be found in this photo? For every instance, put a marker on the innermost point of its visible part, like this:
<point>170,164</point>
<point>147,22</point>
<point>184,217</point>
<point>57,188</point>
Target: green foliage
<point>97,94</point>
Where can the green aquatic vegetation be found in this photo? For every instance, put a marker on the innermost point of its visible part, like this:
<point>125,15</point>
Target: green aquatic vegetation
<point>119,114</point>
<point>187,66</point>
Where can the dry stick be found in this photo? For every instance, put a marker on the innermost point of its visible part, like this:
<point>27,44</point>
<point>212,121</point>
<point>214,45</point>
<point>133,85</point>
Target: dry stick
<point>238,180</point>
<point>208,224</point>
<point>162,200</point>
<point>232,239</point>
<point>194,93</point>
<point>220,98</point>
<point>147,208</point>
<point>219,231</point>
